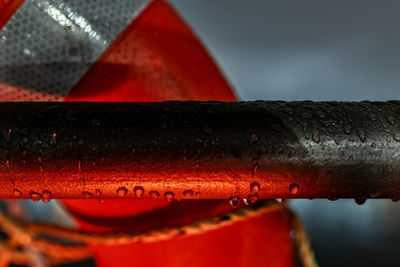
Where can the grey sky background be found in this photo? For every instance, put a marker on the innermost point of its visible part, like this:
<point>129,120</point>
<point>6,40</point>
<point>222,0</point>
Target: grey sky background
<point>317,50</point>
<point>295,50</point>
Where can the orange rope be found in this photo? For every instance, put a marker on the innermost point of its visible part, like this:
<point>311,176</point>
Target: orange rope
<point>22,234</point>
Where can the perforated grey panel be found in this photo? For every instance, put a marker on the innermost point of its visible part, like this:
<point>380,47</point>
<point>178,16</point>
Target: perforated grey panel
<point>48,45</point>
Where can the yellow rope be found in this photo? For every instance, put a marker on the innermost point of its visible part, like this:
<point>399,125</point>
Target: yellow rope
<point>195,228</point>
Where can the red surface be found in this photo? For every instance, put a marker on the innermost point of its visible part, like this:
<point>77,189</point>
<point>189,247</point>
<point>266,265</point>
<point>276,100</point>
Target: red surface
<point>260,241</point>
<point>158,58</point>
<point>7,9</point>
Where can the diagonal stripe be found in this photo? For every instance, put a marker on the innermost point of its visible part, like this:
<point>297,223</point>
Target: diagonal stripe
<point>48,45</point>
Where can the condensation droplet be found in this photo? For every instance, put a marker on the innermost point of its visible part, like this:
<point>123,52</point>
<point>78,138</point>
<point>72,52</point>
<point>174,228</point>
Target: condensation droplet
<point>17,193</point>
<point>122,191</point>
<point>361,134</point>
<point>347,129</point>
<point>255,187</point>
<point>234,201</point>
<point>46,196</point>
<point>154,194</point>
<point>87,194</point>
<point>139,191</point>
<point>391,120</point>
<point>396,136</point>
<point>293,189</point>
<point>386,129</point>
<point>27,51</point>
<point>360,200</point>
<point>35,196</point>
<point>252,198</point>
<point>188,193</point>
<point>321,114</point>
<point>169,196</point>
<point>333,198</point>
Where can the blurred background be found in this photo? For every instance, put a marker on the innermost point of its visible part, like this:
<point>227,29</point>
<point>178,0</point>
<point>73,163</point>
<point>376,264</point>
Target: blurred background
<point>315,50</point>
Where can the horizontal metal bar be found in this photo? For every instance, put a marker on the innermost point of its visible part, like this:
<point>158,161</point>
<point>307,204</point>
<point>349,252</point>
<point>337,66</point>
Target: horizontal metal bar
<point>177,150</point>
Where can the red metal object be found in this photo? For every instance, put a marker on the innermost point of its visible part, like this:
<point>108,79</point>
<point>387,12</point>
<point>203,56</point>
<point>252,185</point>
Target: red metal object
<point>158,58</point>
<point>7,9</point>
<point>200,150</point>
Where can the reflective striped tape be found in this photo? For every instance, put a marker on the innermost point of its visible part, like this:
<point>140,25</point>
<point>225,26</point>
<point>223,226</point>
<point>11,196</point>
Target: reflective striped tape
<point>48,45</point>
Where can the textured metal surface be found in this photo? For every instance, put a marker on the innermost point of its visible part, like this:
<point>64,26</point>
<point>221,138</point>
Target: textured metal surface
<point>200,150</point>
<point>51,44</point>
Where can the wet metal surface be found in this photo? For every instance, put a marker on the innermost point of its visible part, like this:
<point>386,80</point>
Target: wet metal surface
<point>213,149</point>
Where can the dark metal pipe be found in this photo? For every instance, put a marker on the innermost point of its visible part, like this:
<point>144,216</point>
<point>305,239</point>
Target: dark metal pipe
<point>262,149</point>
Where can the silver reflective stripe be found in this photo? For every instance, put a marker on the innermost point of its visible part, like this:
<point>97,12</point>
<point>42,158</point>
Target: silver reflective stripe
<point>48,45</point>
